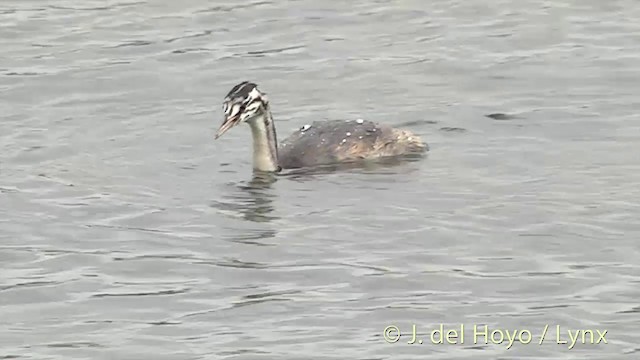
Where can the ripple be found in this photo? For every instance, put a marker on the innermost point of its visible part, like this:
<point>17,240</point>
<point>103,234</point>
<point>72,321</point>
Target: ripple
<point>74,345</point>
<point>142,293</point>
<point>453,129</point>
<point>191,50</point>
<point>132,43</point>
<point>98,8</point>
<point>234,7</point>
<point>502,116</point>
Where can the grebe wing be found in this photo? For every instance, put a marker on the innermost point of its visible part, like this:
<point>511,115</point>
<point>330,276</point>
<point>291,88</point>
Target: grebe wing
<point>336,141</point>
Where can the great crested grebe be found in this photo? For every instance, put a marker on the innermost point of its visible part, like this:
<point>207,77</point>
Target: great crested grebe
<point>320,143</point>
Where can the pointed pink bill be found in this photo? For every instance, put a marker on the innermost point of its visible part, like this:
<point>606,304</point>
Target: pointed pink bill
<point>226,125</point>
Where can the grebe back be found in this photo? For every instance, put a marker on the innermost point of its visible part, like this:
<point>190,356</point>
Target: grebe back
<point>319,143</point>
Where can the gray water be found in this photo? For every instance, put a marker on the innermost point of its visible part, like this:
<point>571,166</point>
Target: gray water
<point>127,232</point>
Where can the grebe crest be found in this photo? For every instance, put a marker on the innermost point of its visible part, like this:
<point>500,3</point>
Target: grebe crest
<point>318,143</point>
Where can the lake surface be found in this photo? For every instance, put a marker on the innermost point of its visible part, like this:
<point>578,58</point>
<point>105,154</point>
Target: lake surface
<point>127,232</point>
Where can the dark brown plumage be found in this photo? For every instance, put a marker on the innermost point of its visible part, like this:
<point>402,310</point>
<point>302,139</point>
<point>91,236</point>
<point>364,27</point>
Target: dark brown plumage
<point>336,141</point>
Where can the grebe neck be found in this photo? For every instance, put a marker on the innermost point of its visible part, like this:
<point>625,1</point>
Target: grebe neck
<point>265,143</point>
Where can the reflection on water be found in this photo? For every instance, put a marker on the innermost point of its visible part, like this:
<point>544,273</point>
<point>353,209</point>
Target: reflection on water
<point>393,165</point>
<point>254,200</point>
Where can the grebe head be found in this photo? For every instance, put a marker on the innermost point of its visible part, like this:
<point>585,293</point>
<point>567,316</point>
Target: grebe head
<point>243,103</point>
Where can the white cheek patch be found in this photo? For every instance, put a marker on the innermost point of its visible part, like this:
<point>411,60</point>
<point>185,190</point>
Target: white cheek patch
<point>234,110</point>
<point>254,94</point>
<point>250,111</point>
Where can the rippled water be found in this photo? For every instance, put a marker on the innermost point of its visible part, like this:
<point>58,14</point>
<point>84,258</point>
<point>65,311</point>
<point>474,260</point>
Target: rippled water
<point>126,232</point>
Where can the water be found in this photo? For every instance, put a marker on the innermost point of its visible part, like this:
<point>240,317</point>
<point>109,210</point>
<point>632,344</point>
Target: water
<point>126,232</point>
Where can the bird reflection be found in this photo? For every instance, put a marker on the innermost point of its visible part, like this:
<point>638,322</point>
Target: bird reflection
<point>260,203</point>
<point>261,180</point>
<point>395,165</point>
<point>252,199</point>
